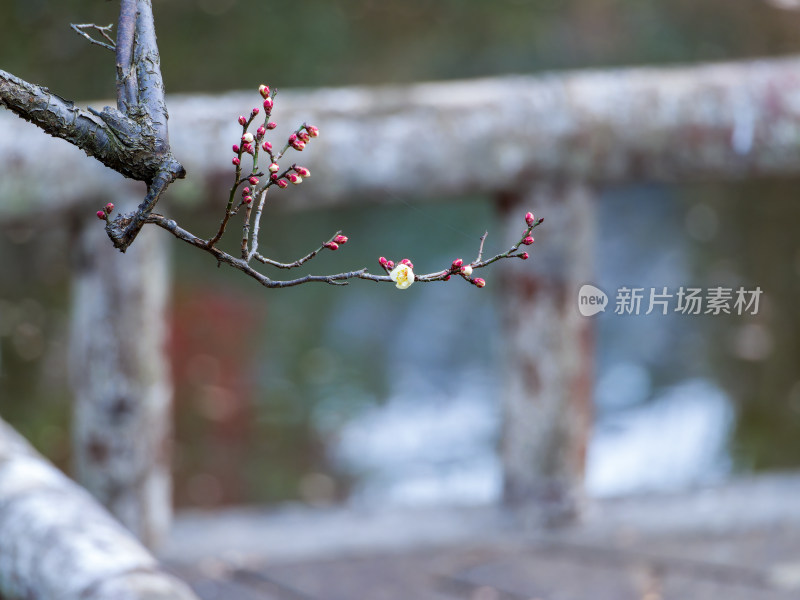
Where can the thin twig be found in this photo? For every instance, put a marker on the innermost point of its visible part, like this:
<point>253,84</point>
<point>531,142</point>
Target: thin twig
<point>257,225</point>
<point>246,230</point>
<point>79,29</point>
<point>299,261</point>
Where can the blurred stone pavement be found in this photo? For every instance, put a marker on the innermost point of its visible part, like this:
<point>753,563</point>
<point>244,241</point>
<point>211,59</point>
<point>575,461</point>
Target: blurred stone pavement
<point>739,540</point>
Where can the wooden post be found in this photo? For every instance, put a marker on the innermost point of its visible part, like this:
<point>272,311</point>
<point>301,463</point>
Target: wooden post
<point>548,353</point>
<point>121,380</point>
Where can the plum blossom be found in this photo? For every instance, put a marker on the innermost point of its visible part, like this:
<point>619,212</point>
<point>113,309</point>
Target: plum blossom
<point>402,275</point>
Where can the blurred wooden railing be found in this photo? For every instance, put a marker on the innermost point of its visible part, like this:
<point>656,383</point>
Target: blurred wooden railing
<point>544,142</point>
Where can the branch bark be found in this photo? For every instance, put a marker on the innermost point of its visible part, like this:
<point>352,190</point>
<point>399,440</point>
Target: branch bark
<point>57,542</point>
<point>132,139</point>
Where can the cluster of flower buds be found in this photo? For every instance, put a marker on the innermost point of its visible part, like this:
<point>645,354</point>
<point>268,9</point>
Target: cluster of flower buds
<point>107,210</point>
<point>337,241</point>
<point>253,143</point>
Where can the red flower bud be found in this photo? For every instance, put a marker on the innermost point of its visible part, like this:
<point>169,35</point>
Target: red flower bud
<point>541,220</point>
<point>331,245</point>
<point>242,120</point>
<point>282,183</point>
<point>292,138</point>
<point>268,103</point>
<point>263,90</point>
<point>260,132</point>
<point>248,199</point>
<point>528,241</point>
<point>274,168</point>
<point>298,145</point>
<point>236,161</point>
<point>248,148</point>
<point>383,262</point>
<point>294,178</point>
<point>272,125</point>
<point>255,111</point>
<point>303,136</point>
<point>312,131</point>
<point>101,214</point>
<point>446,277</point>
<point>274,176</point>
<point>529,218</point>
<point>340,239</point>
<point>302,171</point>
<point>407,262</point>
<point>266,146</point>
<point>109,208</point>
<point>245,191</point>
<point>390,264</point>
<point>479,282</point>
<point>457,264</point>
<point>253,180</point>
<point>524,256</point>
<point>235,149</point>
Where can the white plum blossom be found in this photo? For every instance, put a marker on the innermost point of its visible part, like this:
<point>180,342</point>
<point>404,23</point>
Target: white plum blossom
<point>402,275</point>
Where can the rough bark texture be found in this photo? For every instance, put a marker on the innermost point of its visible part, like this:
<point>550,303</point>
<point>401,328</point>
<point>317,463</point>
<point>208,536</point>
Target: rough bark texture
<point>724,121</point>
<point>548,379</point>
<point>120,375</point>
<point>57,542</point>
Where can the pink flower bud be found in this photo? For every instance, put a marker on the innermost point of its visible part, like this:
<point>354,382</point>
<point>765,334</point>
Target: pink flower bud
<point>407,262</point>
<point>263,90</point>
<point>282,183</point>
<point>524,256</point>
<point>390,264</point>
<point>260,132</point>
<point>266,147</point>
<point>541,220</point>
<point>274,168</point>
<point>294,178</point>
<point>109,207</point>
<point>479,282</point>
<point>529,218</point>
<point>268,103</point>
<point>298,145</point>
<point>235,149</point>
<point>101,214</point>
<point>312,131</point>
<point>528,241</point>
<point>253,180</point>
<point>457,263</point>
<point>248,148</point>
<point>245,191</point>
<point>331,245</point>
<point>248,138</point>
<point>340,239</point>
<point>242,120</point>
<point>236,161</point>
<point>272,125</point>
<point>466,270</point>
<point>383,262</point>
<point>273,176</point>
<point>303,136</point>
<point>302,171</point>
<point>255,111</point>
<point>247,199</point>
<point>446,277</point>
<point>292,138</point>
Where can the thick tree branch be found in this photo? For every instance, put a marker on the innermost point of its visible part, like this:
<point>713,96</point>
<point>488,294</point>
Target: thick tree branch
<point>148,72</point>
<point>126,74</point>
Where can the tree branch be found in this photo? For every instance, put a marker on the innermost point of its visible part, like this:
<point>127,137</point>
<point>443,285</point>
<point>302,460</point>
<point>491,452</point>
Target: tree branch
<point>126,75</point>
